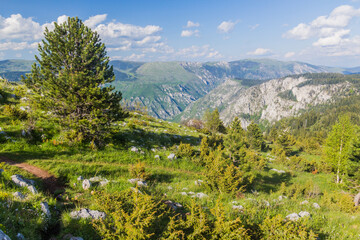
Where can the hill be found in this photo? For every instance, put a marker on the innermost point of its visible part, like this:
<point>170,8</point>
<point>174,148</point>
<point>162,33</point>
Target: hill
<point>167,88</point>
<point>168,176</point>
<point>275,99</point>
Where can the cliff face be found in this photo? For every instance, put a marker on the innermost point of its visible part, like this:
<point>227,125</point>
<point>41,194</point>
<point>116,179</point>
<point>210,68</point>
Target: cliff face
<point>269,101</point>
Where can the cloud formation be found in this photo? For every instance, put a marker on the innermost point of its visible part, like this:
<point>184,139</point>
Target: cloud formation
<point>226,26</point>
<point>330,32</point>
<point>189,33</point>
<point>289,54</point>
<point>95,20</point>
<point>191,24</point>
<point>260,52</point>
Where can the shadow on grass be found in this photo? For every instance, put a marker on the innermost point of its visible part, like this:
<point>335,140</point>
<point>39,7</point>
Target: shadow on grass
<point>272,182</point>
<point>152,139</point>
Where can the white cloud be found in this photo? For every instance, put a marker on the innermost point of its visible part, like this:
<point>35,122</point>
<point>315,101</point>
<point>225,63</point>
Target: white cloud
<point>289,54</point>
<point>95,20</point>
<point>132,57</point>
<point>189,33</point>
<point>17,45</point>
<point>260,52</point>
<point>191,24</point>
<point>17,27</point>
<point>226,26</point>
<point>61,19</point>
<point>2,55</point>
<point>253,27</point>
<point>330,32</point>
<point>196,52</point>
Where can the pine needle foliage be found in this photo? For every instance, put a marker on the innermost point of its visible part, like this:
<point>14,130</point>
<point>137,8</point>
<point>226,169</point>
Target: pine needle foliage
<point>71,80</point>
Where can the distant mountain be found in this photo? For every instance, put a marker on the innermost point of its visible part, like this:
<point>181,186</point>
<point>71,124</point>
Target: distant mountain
<point>275,99</point>
<point>167,88</point>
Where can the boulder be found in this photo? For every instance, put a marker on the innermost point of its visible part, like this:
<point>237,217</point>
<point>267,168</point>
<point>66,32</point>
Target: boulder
<point>357,199</point>
<point>304,214</point>
<point>3,236</point>
<point>45,208</point>
<point>86,184</point>
<point>134,149</point>
<point>21,181</point>
<point>173,205</point>
<point>19,236</point>
<point>292,217</point>
<point>18,195</point>
<point>32,189</point>
<point>237,207</point>
<point>103,182</point>
<point>201,195</point>
<point>198,182</point>
<point>172,156</point>
<point>141,184</point>
<point>87,213</point>
<point>315,205</point>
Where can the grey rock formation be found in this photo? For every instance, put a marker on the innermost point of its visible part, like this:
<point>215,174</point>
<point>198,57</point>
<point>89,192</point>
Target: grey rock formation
<point>18,195</point>
<point>3,236</point>
<point>45,208</point>
<point>87,213</point>
<point>86,184</point>
<point>292,217</point>
<point>304,214</point>
<point>172,156</point>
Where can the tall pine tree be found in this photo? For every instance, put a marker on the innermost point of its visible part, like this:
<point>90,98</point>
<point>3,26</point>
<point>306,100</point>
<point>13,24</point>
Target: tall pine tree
<point>73,78</point>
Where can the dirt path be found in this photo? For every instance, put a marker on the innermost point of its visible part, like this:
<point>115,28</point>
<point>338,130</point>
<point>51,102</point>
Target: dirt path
<point>51,183</point>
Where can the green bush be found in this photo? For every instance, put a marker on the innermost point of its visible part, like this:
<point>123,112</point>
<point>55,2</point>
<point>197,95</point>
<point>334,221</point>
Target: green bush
<point>185,150</point>
<point>277,228</point>
<point>14,112</point>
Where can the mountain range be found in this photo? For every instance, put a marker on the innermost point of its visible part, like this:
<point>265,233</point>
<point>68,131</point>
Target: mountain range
<point>183,90</point>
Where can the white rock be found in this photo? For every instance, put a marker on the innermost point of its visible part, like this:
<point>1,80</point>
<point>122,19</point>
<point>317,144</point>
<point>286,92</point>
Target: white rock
<point>198,182</point>
<point>201,195</point>
<point>141,184</point>
<point>292,217</point>
<point>45,208</point>
<point>172,156</point>
<point>157,157</point>
<point>80,178</point>
<point>304,202</point>
<point>87,213</point>
<point>32,189</point>
<point>184,193</point>
<point>18,195</point>
<point>315,205</point>
<point>3,236</point>
<point>304,214</point>
<point>86,184</point>
<point>191,193</point>
<point>134,149</point>
<point>237,207</point>
<point>103,182</point>
<point>170,188</point>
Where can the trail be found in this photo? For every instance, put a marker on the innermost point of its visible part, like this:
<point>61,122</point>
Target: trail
<point>51,183</point>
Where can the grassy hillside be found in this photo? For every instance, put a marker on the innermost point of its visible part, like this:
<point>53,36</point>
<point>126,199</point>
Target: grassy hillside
<point>272,187</point>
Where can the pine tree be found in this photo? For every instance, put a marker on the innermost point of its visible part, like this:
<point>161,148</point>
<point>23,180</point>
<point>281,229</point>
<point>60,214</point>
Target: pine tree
<point>235,141</point>
<point>213,122</point>
<point>255,136</point>
<point>338,146</point>
<point>73,78</point>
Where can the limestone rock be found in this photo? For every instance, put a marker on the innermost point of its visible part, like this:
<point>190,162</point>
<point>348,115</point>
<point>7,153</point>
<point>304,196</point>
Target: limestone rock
<point>237,207</point>
<point>315,205</point>
<point>157,157</point>
<point>201,195</point>
<point>80,178</point>
<point>304,214</point>
<point>198,182</point>
<point>3,236</point>
<point>87,213</point>
<point>32,189</point>
<point>292,217</point>
<point>86,184</point>
<point>45,208</point>
<point>172,156</point>
<point>304,202</point>
<point>134,149</point>
<point>18,195</point>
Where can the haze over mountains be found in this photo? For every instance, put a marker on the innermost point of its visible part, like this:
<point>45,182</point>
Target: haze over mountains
<point>183,90</point>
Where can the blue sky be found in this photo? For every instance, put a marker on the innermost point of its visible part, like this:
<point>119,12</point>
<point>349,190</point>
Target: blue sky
<point>323,32</point>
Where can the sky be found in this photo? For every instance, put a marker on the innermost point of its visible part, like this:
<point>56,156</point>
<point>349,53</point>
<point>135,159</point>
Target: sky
<point>321,32</point>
